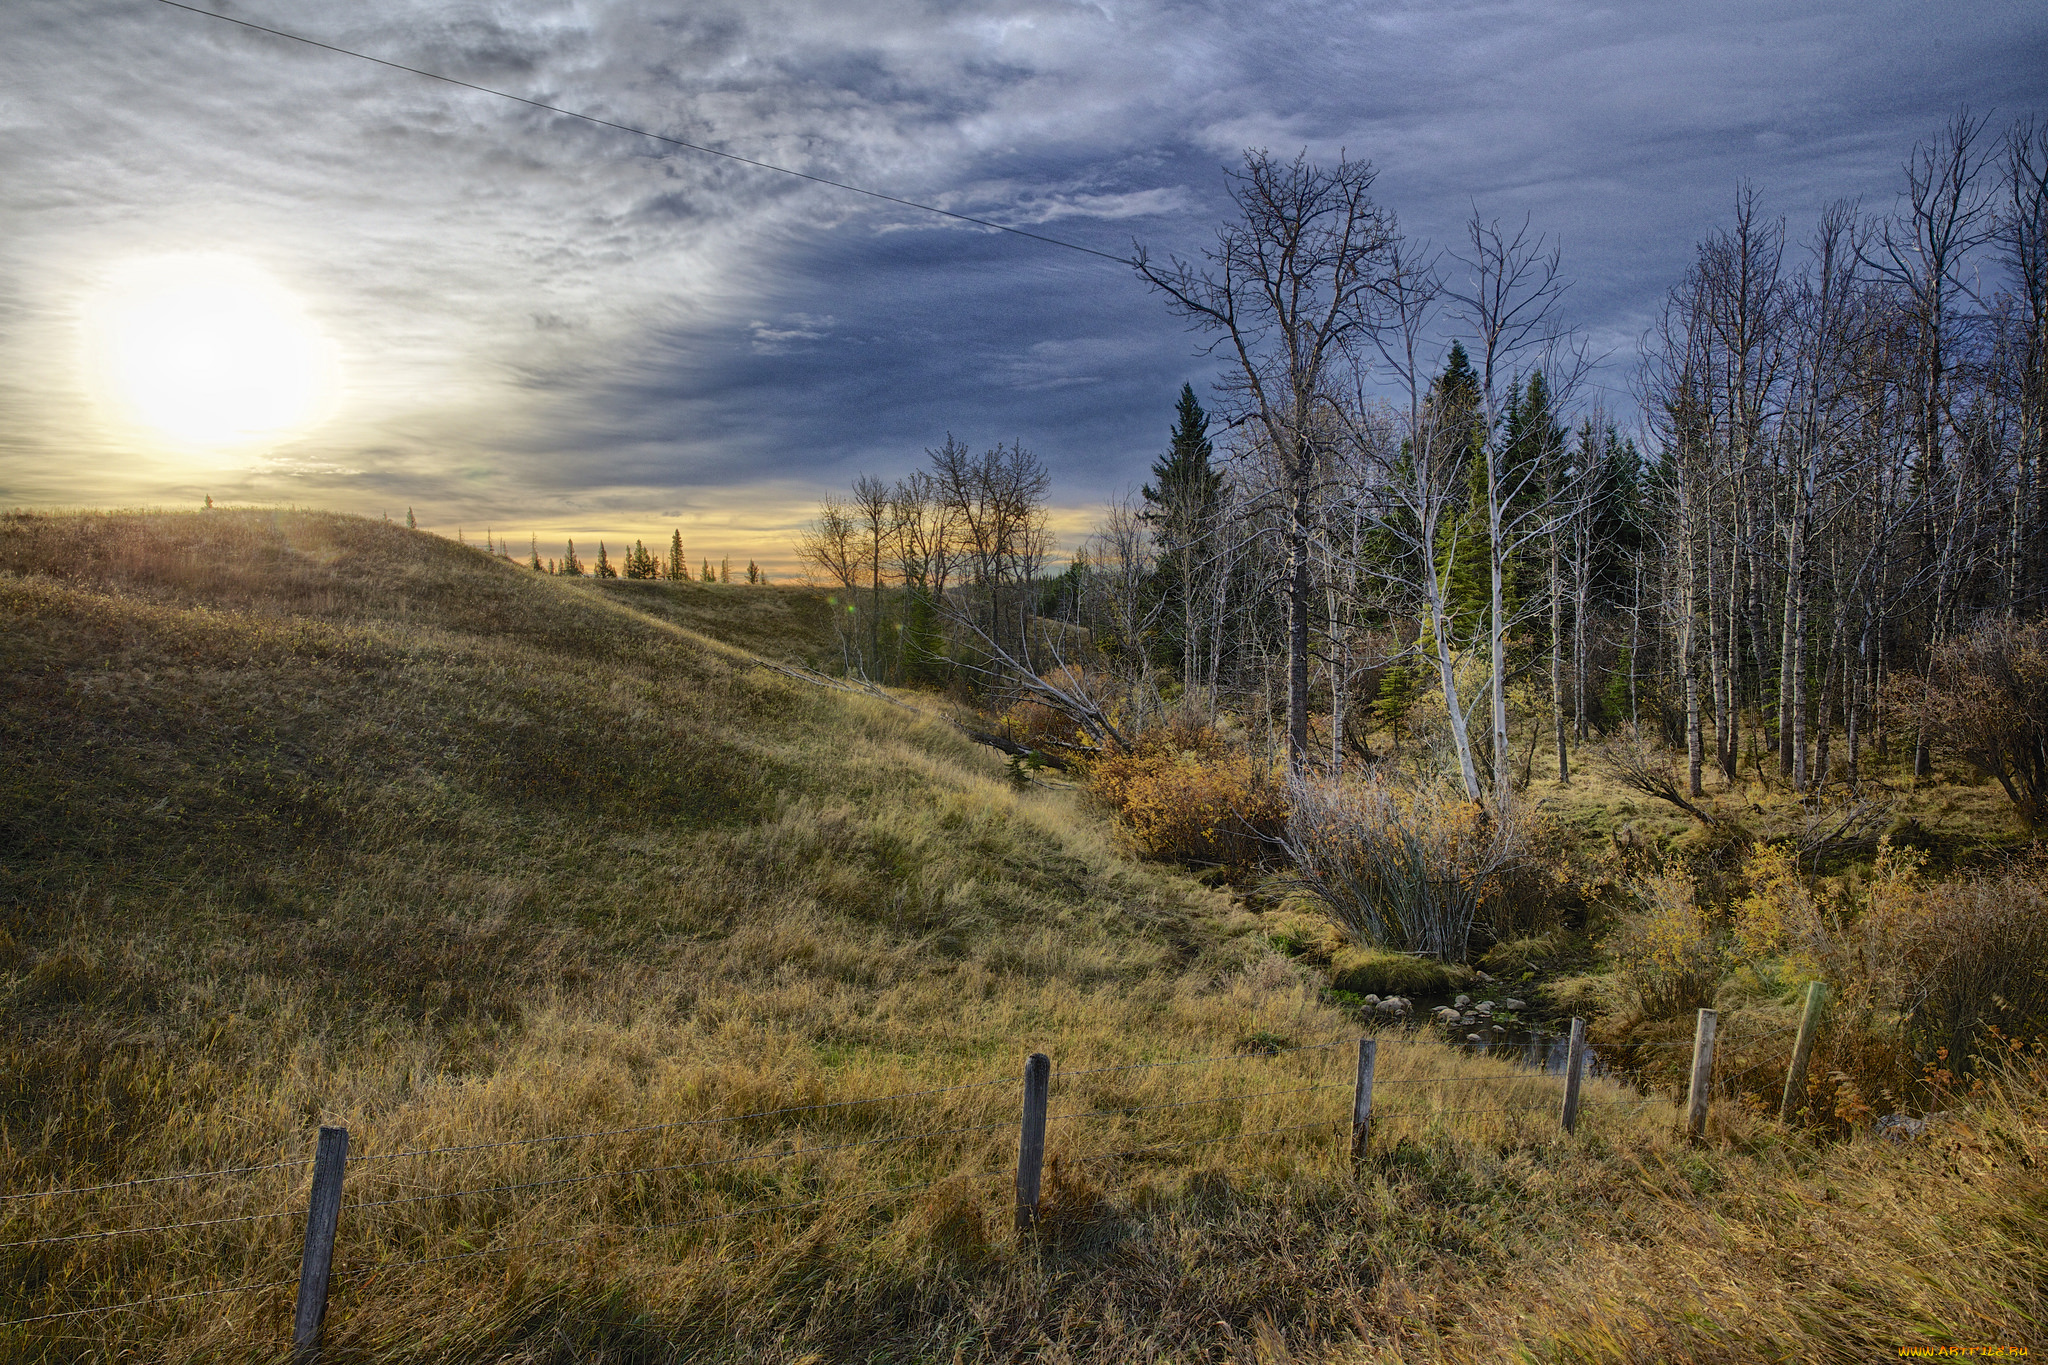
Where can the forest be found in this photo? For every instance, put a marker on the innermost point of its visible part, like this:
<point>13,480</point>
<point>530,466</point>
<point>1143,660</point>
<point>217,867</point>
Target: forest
<point>1408,599</point>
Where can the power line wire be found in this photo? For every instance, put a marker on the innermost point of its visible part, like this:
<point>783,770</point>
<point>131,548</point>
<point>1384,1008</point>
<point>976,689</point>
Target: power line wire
<point>642,132</point>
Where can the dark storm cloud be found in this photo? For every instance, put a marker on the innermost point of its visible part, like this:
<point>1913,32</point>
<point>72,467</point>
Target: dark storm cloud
<point>559,324</point>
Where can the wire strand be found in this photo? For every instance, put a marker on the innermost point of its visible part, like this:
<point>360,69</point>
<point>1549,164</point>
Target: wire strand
<point>642,132</point>
<point>661,1227</point>
<point>1197,1061</point>
<point>1189,1104</point>
<point>684,1166</point>
<point>155,1180</point>
<point>681,1123</point>
<point>136,1232</point>
<point>1209,1141</point>
<point>144,1303</point>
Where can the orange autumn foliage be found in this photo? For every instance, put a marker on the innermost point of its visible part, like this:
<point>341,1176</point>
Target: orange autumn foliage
<point>1186,796</point>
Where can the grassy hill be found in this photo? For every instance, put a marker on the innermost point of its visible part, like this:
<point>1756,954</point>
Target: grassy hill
<point>307,819</point>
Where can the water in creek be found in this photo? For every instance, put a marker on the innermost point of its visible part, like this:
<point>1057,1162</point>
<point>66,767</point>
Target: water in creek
<point>1532,1046</point>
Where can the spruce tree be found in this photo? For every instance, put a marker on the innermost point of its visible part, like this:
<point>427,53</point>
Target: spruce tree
<point>708,576</point>
<point>1181,505</point>
<point>725,571</point>
<point>678,567</point>
<point>410,524</point>
<point>535,562</point>
<point>604,564</point>
<point>753,572</point>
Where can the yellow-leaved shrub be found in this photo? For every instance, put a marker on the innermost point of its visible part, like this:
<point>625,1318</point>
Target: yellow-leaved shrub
<point>1186,796</point>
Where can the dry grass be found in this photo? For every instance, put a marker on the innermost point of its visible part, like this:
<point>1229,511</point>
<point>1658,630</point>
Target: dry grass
<point>313,819</point>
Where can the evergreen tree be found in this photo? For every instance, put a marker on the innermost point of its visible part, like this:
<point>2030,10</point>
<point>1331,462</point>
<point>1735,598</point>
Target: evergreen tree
<point>571,565</point>
<point>753,572</point>
<point>706,575</point>
<point>1463,544</point>
<point>725,571</point>
<point>410,524</point>
<point>640,563</point>
<point>535,562</point>
<point>678,567</point>
<point>604,564</point>
<point>1181,505</point>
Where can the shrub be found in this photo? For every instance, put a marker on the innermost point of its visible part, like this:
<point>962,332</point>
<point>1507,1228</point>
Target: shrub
<point>1933,965</point>
<point>1985,700</point>
<point>1974,956</point>
<point>1667,956</point>
<point>1402,868</point>
<point>1186,796</point>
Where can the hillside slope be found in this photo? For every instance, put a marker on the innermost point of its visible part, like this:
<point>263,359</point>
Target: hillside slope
<point>675,1009</point>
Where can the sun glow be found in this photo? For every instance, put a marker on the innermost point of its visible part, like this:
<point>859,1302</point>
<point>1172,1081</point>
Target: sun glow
<point>207,351</point>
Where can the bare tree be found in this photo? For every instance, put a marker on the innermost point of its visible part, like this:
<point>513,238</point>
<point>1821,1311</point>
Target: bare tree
<point>830,546</point>
<point>1410,470</point>
<point>1290,288</point>
<point>1510,300</point>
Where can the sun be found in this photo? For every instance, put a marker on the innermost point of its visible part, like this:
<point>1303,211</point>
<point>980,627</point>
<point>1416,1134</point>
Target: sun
<point>208,352</point>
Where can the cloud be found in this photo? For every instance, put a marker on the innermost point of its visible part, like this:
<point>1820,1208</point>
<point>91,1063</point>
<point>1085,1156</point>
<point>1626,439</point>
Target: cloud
<point>543,321</point>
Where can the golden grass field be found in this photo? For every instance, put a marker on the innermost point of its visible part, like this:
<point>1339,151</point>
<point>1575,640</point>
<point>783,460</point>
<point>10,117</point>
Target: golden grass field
<point>313,819</point>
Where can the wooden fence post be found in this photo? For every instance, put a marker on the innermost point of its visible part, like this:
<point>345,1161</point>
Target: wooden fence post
<point>323,1215</point>
<point>1802,1052</point>
<point>1702,1074</point>
<point>1574,1067</point>
<point>1361,1101</point>
<point>1031,1138</point>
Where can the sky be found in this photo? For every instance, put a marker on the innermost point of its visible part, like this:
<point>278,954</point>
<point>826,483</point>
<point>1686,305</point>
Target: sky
<point>520,324</point>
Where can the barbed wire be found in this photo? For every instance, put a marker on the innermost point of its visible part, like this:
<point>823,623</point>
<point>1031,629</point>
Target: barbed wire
<point>683,1123</point>
<point>1525,1076</point>
<point>1210,1141</point>
<point>1378,1114</point>
<point>144,1303</point>
<point>136,1232</point>
<point>1254,1056</point>
<point>662,1227</point>
<point>1189,1104</point>
<point>682,1166</point>
<point>154,1180</point>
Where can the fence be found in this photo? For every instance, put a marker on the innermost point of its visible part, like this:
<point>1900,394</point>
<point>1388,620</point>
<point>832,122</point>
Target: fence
<point>693,1180</point>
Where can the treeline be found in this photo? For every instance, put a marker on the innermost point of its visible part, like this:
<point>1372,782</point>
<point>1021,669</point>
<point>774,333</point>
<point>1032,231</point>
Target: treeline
<point>1452,547</point>
<point>639,562</point>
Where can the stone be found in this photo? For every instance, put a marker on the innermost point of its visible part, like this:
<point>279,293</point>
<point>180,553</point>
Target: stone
<point>1469,1019</point>
<point>1474,1038</point>
<point>1462,1001</point>
<point>1393,1004</point>
<point>1372,1000</point>
<point>1514,1004</point>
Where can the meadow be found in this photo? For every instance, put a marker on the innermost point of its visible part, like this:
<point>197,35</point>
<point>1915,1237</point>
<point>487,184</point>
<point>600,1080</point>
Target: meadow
<point>313,819</point>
